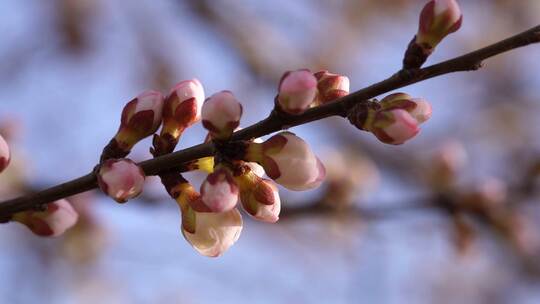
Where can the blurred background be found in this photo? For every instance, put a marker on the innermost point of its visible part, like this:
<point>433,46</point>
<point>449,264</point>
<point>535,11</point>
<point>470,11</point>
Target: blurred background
<point>450,217</point>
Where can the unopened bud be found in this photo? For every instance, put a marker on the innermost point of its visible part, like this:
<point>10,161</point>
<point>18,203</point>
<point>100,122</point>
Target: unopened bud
<point>288,160</point>
<point>182,107</point>
<point>221,114</point>
<point>54,221</point>
<point>141,117</point>
<point>394,126</point>
<point>296,91</point>
<point>121,179</point>
<point>219,192</point>
<point>438,19</point>
<point>419,108</point>
<point>259,197</point>
<point>331,86</point>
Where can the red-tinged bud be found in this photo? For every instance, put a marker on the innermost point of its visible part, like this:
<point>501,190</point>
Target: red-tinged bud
<point>419,108</point>
<point>394,126</point>
<point>182,107</point>
<point>219,192</point>
<point>438,19</point>
<point>288,160</point>
<point>296,91</point>
<point>141,117</point>
<point>331,87</point>
<point>54,221</point>
<point>221,114</point>
<point>5,155</point>
<point>121,179</point>
<point>259,197</point>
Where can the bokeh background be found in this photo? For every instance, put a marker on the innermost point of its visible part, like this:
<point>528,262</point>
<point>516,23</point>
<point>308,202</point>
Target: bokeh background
<point>375,232</point>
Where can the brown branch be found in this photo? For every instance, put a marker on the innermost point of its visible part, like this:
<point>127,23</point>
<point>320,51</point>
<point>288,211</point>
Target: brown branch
<point>278,121</point>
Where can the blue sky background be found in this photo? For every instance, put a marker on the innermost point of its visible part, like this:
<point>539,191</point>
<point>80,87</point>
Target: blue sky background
<point>69,106</point>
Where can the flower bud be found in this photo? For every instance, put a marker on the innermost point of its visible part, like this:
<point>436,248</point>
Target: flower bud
<point>221,114</point>
<point>213,233</point>
<point>297,90</point>
<point>288,160</point>
<point>438,19</point>
<point>331,86</point>
<point>55,220</point>
<point>182,107</point>
<point>394,126</point>
<point>121,179</point>
<point>259,197</point>
<point>141,117</point>
<point>219,192</point>
<point>419,108</point>
<point>4,154</point>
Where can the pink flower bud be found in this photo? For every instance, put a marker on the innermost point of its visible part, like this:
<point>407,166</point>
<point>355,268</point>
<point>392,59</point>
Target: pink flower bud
<point>121,179</point>
<point>288,160</point>
<point>297,90</point>
<point>259,197</point>
<point>331,86</point>
<point>221,114</point>
<point>419,108</point>
<point>394,126</point>
<point>141,117</point>
<point>213,233</point>
<point>54,221</point>
<point>182,107</point>
<point>219,191</point>
<point>5,156</point>
<point>438,19</point>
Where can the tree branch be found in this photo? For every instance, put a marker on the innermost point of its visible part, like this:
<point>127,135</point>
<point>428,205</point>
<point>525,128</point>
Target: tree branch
<point>278,121</point>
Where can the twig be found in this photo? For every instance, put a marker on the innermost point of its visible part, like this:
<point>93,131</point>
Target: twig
<point>278,121</point>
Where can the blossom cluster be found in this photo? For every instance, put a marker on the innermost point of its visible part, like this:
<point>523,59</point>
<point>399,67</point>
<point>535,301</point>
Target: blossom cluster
<point>242,174</point>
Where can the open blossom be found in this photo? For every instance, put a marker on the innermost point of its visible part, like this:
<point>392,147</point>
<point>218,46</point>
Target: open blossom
<point>141,117</point>
<point>121,179</point>
<point>4,154</point>
<point>288,160</point>
<point>438,19</point>
<point>259,197</point>
<point>219,192</point>
<point>221,114</point>
<point>419,108</point>
<point>214,233</point>
<point>297,90</point>
<point>182,107</point>
<point>210,233</point>
<point>54,221</point>
<point>331,86</point>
